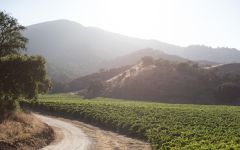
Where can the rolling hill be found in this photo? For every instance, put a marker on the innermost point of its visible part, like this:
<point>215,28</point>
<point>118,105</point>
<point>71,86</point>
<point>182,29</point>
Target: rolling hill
<point>135,57</point>
<point>77,50</point>
<point>201,52</point>
<point>232,68</point>
<point>162,81</point>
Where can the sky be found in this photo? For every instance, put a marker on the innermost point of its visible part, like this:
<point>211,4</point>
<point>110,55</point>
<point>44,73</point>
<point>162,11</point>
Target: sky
<point>213,23</point>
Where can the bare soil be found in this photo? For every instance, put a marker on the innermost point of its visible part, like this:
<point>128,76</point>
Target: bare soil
<point>24,132</point>
<point>107,140</point>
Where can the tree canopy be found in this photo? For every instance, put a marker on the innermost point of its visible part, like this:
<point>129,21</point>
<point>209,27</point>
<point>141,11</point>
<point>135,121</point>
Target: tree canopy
<point>11,39</point>
<point>21,76</point>
<point>147,60</point>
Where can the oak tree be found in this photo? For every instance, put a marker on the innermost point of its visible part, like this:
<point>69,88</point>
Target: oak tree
<point>21,76</point>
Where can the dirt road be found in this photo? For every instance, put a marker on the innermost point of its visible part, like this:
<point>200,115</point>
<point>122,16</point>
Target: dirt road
<point>75,135</point>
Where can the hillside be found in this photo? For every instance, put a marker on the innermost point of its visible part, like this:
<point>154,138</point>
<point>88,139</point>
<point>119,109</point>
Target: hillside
<point>77,50</point>
<point>163,81</point>
<point>233,68</point>
<point>65,36</point>
<point>201,52</point>
<point>116,66</point>
<point>135,57</point>
<point>85,81</point>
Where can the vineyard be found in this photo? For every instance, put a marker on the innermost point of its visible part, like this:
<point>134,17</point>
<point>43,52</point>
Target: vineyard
<point>165,126</point>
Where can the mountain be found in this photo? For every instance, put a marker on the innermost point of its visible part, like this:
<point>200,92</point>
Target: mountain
<point>65,46</point>
<point>232,68</point>
<point>80,50</point>
<point>77,50</point>
<point>115,66</point>
<point>135,57</point>
<point>219,55</point>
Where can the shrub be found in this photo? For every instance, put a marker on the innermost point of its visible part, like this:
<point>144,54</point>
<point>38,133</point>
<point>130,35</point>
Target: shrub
<point>228,91</point>
<point>147,60</point>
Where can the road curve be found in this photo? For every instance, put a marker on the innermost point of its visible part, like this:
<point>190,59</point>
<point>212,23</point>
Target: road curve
<point>73,137</point>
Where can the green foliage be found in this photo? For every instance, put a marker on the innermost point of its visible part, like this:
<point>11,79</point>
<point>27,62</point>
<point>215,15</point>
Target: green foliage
<point>21,77</point>
<point>94,89</point>
<point>189,67</point>
<point>11,39</point>
<point>58,87</point>
<point>165,126</point>
<point>164,63</point>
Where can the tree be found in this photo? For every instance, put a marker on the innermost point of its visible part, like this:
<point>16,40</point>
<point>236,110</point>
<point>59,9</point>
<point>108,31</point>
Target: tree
<point>95,88</point>
<point>147,60</point>
<point>228,92</point>
<point>58,87</point>
<point>11,39</point>
<point>21,76</point>
<point>184,67</point>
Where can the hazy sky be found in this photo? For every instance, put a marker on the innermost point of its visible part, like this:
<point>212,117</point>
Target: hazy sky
<point>180,22</point>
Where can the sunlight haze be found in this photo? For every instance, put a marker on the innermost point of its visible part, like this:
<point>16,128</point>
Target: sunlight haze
<point>186,22</point>
<point>119,74</point>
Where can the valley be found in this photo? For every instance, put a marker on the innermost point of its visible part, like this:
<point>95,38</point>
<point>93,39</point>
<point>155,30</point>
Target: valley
<point>119,75</point>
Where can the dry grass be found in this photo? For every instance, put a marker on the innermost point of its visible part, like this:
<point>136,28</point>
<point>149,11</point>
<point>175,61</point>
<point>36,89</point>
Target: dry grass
<point>22,131</point>
<point>18,127</point>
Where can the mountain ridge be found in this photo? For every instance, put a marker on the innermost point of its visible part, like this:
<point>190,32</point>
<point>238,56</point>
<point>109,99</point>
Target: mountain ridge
<point>83,50</point>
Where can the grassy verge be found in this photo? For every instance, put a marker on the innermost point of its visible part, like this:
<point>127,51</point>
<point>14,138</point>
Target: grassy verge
<point>165,126</point>
<point>23,131</point>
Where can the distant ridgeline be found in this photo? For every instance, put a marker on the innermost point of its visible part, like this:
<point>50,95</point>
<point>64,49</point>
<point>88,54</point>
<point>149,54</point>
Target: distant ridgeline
<point>73,50</point>
<point>163,81</point>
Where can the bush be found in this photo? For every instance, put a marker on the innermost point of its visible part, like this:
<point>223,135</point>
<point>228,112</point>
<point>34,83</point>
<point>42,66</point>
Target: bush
<point>228,91</point>
<point>94,89</point>
<point>59,87</point>
<point>147,60</point>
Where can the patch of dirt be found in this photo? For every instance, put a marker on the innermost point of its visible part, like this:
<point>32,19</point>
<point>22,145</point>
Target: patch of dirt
<point>120,79</point>
<point>24,132</point>
<point>107,140</point>
<point>58,135</point>
<point>74,138</point>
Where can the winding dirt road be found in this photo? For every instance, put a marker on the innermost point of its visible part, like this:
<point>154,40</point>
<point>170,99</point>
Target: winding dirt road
<point>75,135</point>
